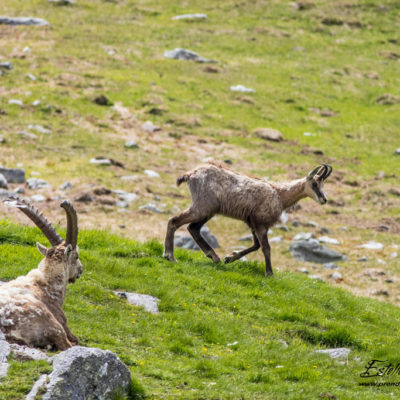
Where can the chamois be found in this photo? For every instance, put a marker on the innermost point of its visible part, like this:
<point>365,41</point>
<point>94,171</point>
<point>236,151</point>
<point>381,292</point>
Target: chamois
<point>31,306</point>
<point>257,202</point>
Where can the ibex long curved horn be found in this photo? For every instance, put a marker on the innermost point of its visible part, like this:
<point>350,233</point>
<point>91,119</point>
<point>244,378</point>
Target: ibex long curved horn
<point>36,217</point>
<point>72,223</point>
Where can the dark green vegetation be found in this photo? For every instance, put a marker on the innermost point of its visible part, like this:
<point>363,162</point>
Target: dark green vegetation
<point>221,328</point>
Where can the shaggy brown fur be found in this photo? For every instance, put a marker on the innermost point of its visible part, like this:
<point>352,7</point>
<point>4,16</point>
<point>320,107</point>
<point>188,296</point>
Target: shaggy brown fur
<point>218,190</point>
<point>31,306</point>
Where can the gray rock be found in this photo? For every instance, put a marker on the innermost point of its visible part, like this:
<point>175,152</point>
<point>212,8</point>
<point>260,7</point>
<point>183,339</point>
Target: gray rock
<point>66,185</point>
<point>3,182</point>
<point>5,193</point>
<point>149,303</point>
<point>303,236</point>
<point>151,207</point>
<point>16,102</point>
<point>304,270</point>
<point>340,352</point>
<point>85,373</point>
<point>23,21</point>
<point>37,183</point>
<point>311,224</point>
<point>327,239</point>
<point>269,134</point>
<point>186,55</point>
<point>148,126</point>
<point>31,77</point>
<point>38,198</point>
<point>36,387</point>
<point>13,175</point>
<point>2,139</point>
<point>128,197</point>
<point>242,89</point>
<point>311,251</point>
<point>282,228</point>
<point>40,129</point>
<point>131,144</point>
<point>187,242</point>
<point>122,204</point>
<point>100,161</point>
<point>6,66</point>
<point>397,152</point>
<point>362,259</point>
<point>190,17</point>
<point>245,238</point>
<point>4,353</point>
<point>24,353</point>
<point>62,2</point>
<point>316,277</point>
<point>336,276</point>
<point>330,265</point>
<point>151,174</point>
<point>276,239</point>
<point>27,135</point>
<point>372,245</point>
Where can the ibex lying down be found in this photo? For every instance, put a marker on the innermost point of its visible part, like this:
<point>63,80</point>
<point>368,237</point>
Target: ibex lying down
<point>217,190</point>
<point>31,306</point>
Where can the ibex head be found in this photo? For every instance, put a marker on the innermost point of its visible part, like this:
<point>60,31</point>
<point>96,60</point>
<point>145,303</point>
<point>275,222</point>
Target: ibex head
<point>62,253</point>
<point>315,183</point>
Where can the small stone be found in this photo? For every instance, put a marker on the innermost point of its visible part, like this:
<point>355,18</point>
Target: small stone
<point>337,276</point>
<point>35,103</point>
<point>382,292</point>
<point>186,55</point>
<point>36,183</point>
<point>296,223</point>
<point>311,224</point>
<point>6,66</point>
<point>31,77</point>
<point>149,303</point>
<point>100,161</point>
<point>40,129</point>
<point>282,228</point>
<point>324,230</point>
<point>362,259</point>
<point>2,139</point>
<point>102,100</point>
<point>341,352</point>
<point>16,102</point>
<point>19,190</point>
<point>131,144</point>
<point>27,135</point>
<point>13,175</point>
<point>269,134</point>
<point>276,239</point>
<point>304,270</point>
<point>151,174</point>
<point>283,343</point>
<point>148,126</point>
<point>389,280</point>
<point>23,21</point>
<point>84,198</point>
<point>327,239</point>
<point>241,88</point>
<point>151,207</point>
<point>316,277</point>
<point>303,236</point>
<point>190,17</point>
<point>211,69</point>
<point>128,197</point>
<point>383,228</point>
<point>395,191</point>
<point>122,204</point>
<point>393,255</point>
<point>312,251</point>
<point>330,266</point>
<point>38,198</point>
<point>3,182</point>
<point>372,245</point>
<point>387,99</point>
<point>66,185</point>
<point>25,353</point>
<point>245,238</point>
<point>62,2</point>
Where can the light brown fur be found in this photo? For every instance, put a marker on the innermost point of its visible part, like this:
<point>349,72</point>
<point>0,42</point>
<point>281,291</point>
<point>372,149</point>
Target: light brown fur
<point>218,190</point>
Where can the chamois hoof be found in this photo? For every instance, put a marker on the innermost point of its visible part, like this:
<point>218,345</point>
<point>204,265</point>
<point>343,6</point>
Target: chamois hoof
<point>169,257</point>
<point>227,259</point>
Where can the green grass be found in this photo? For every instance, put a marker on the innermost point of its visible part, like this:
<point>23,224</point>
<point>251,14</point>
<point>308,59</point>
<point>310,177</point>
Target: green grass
<point>220,330</point>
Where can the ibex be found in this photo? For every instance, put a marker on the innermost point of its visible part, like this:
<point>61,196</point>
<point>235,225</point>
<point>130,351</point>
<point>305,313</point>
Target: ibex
<point>257,202</point>
<point>31,306</point>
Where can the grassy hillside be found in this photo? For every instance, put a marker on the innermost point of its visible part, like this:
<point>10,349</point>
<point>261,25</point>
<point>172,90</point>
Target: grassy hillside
<point>222,331</point>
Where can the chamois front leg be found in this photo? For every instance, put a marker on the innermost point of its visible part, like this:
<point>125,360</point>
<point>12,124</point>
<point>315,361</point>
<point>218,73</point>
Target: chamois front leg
<point>240,254</point>
<point>262,235</point>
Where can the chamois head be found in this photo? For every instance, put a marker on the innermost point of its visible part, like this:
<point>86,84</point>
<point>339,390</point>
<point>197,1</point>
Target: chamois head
<point>315,183</point>
<point>63,254</point>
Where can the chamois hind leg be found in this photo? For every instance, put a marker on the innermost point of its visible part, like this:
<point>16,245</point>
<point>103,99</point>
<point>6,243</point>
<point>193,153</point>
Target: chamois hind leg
<point>240,254</point>
<point>262,235</point>
<point>194,229</point>
<point>185,217</point>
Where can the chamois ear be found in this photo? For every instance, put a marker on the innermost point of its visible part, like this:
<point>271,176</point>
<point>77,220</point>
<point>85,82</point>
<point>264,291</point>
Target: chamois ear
<point>43,250</point>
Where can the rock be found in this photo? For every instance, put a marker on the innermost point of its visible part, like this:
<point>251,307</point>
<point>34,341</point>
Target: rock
<point>324,230</point>
<point>381,292</point>
<point>241,88</point>
<point>38,198</point>
<point>100,161</point>
<point>211,69</point>
<point>337,276</point>
<point>387,99</point>
<point>187,242</point>
<point>148,126</point>
<point>284,218</point>
<point>304,270</point>
<point>282,228</point>
<point>330,266</point>
<point>327,239</point>
<point>102,100</point>
<point>397,152</point>
<point>149,303</point>
<point>151,207</point>
<point>393,255</point>
<point>186,55</point>
<point>23,21</point>
<point>36,183</point>
<point>25,353</point>
<point>151,174</point>
<point>394,191</point>
<point>36,387</point>
<point>245,238</point>
<point>296,223</point>
<point>269,134</point>
<point>276,239</point>
<point>311,224</point>
<point>4,353</point>
<point>316,277</point>
<point>311,251</point>
<point>128,197</point>
<point>35,103</point>
<point>39,129</point>
<point>3,182</point>
<point>31,77</point>
<point>16,102</point>
<point>6,66</point>
<point>298,48</point>
<point>303,236</point>
<point>66,185</point>
<point>27,135</point>
<point>131,144</point>
<point>190,17</point>
<point>340,352</point>
<point>62,2</point>
<point>372,245</point>
<point>383,228</point>
<point>362,259</point>
<point>84,198</point>
<point>122,204</point>
<point>85,373</point>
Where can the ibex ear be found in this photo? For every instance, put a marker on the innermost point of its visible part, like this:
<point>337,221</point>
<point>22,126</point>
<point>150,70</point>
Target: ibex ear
<point>42,249</point>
